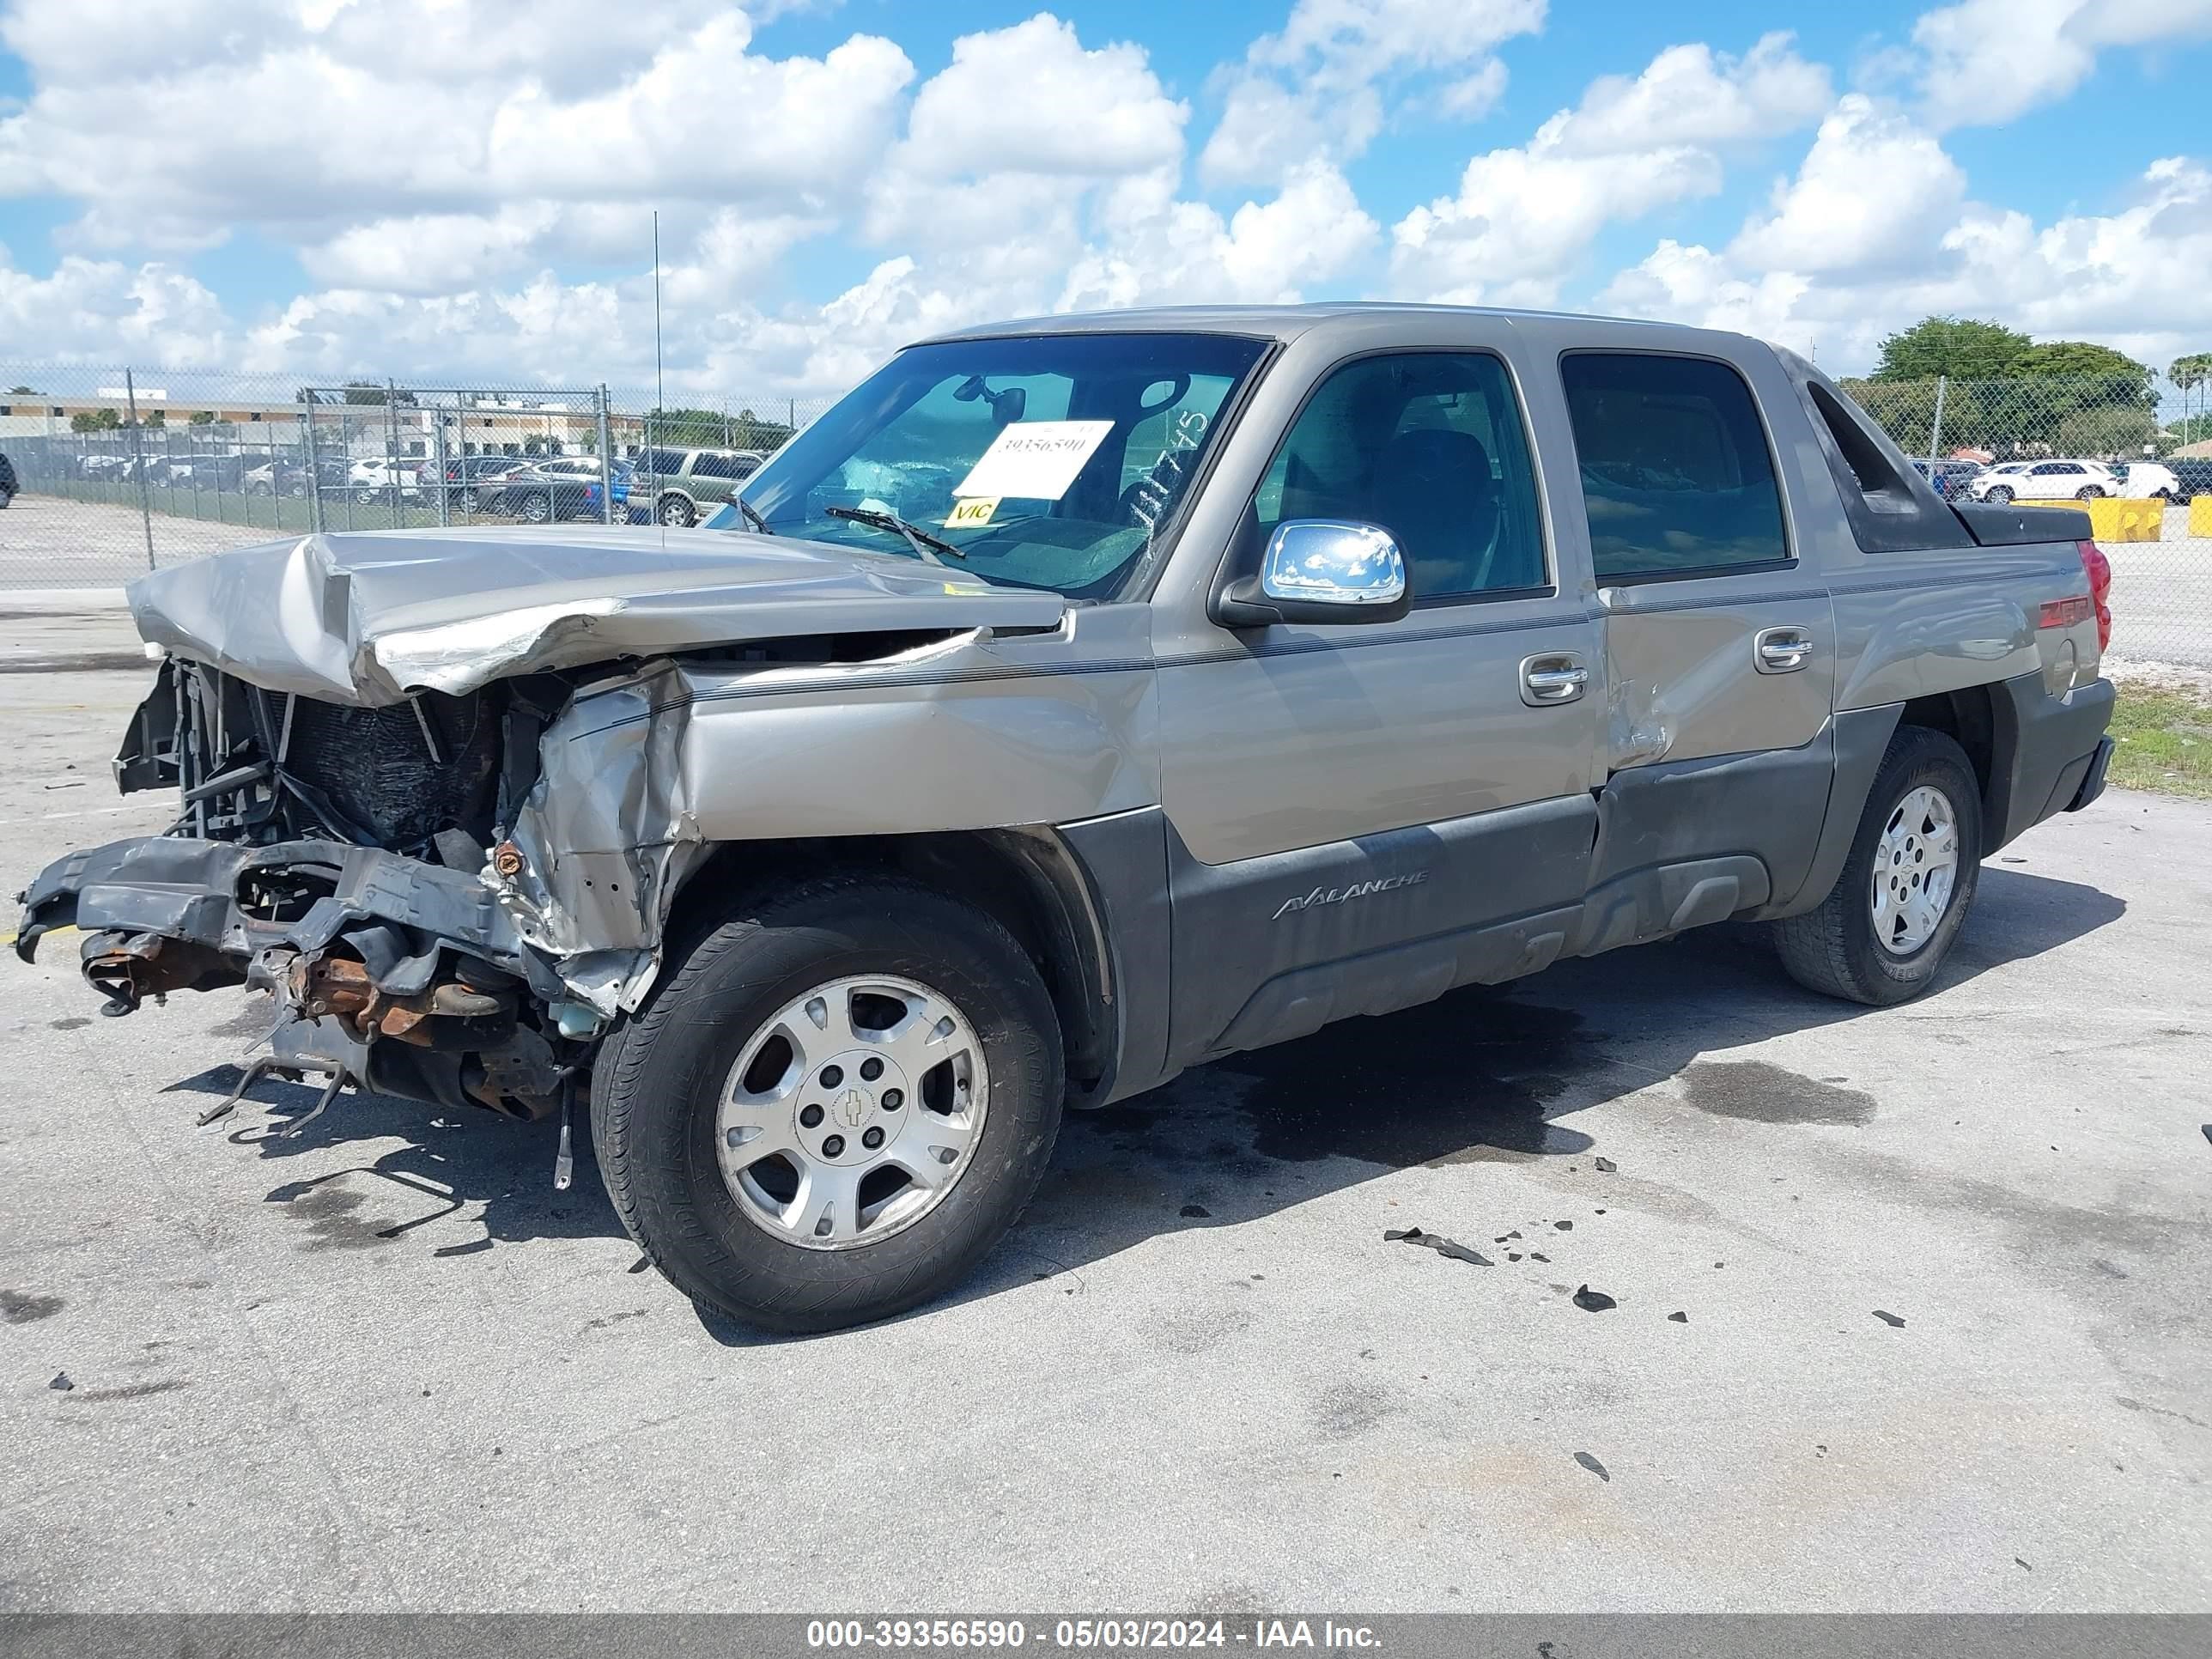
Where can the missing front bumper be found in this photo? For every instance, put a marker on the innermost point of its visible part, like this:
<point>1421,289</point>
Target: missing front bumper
<point>407,975</point>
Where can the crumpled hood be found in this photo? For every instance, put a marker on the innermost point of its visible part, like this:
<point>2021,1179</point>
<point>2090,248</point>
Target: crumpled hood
<point>369,616</point>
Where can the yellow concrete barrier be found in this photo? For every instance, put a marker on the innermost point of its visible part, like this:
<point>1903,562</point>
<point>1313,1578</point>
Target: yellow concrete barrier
<point>2119,517</point>
<point>2200,515</point>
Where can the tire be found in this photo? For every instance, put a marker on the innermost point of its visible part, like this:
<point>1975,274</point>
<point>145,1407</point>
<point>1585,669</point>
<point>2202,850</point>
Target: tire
<point>1835,948</point>
<point>658,1084</point>
<point>674,511</point>
<point>2089,492</point>
<point>6,499</point>
<point>536,508</point>
<point>1999,495</point>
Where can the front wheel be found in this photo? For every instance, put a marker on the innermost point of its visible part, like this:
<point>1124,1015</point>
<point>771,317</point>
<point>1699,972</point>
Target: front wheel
<point>2088,493</point>
<point>676,511</point>
<point>1892,917</point>
<point>536,509</point>
<point>1999,495</point>
<point>835,1107</point>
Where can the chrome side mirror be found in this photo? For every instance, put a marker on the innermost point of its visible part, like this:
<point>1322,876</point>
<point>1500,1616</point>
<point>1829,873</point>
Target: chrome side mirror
<point>1320,570</point>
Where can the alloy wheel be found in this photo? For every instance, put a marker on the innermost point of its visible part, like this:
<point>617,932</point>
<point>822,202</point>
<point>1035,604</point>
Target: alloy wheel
<point>853,1113</point>
<point>1916,868</point>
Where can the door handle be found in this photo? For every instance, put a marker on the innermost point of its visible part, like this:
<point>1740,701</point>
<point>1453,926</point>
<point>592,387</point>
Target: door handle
<point>1781,650</point>
<point>1553,676</point>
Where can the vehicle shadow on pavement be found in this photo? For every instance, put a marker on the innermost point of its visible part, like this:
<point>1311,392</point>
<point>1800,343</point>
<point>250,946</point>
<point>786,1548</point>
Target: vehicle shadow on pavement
<point>452,1160</point>
<point>1483,1074</point>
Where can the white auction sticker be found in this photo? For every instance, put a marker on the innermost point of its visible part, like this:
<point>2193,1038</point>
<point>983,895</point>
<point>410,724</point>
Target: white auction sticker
<point>1033,460</point>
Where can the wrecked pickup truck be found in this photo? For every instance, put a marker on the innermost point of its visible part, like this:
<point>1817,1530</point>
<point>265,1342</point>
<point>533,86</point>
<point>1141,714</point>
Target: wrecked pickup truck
<point>1078,701</point>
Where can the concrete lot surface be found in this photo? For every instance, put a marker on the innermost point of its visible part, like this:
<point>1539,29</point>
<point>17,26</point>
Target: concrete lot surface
<point>383,1365</point>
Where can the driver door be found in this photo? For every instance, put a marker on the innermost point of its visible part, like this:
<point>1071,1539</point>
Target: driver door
<point>1362,815</point>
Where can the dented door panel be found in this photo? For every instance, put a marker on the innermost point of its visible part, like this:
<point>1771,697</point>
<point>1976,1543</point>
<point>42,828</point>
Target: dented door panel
<point>1683,678</point>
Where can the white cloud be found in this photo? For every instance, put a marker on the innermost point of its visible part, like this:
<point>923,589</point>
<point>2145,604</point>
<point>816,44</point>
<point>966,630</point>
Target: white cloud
<point>100,310</point>
<point>1982,62</point>
<point>310,117</point>
<point>1874,190</point>
<point>1032,99</point>
<point>2131,278</point>
<point>1694,96</point>
<point>1318,87</point>
<point>1522,216</point>
<point>1159,251</point>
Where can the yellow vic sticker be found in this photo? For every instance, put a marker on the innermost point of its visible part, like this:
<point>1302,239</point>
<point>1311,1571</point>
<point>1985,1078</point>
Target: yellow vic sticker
<point>971,512</point>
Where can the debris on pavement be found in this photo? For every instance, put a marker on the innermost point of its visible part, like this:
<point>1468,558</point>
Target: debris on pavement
<point>1592,1301</point>
<point>1439,1243</point>
<point>1538,1256</point>
<point>1889,1319</point>
<point>1196,1212</point>
<point>62,1381</point>
<point>1594,1467</point>
<point>1679,1318</point>
<point>1607,1166</point>
<point>1565,1226</point>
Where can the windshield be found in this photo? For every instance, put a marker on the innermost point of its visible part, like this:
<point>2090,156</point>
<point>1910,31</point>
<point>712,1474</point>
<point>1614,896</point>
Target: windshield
<point>1047,460</point>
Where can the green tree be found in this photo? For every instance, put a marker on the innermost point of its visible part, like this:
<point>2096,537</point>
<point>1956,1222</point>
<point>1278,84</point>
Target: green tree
<point>1963,348</point>
<point>2188,373</point>
<point>2109,433</point>
<point>370,392</point>
<point>203,417</point>
<point>96,420</point>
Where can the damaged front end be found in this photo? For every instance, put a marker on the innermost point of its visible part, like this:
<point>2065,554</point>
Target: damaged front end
<point>404,881</point>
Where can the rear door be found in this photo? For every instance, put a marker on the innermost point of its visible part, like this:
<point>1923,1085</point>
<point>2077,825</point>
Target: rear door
<point>1718,633</point>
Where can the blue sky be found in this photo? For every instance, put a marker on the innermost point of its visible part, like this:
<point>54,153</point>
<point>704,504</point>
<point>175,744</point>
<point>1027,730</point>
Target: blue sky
<point>424,185</point>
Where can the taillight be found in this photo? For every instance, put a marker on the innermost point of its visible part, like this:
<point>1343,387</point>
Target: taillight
<point>2099,571</point>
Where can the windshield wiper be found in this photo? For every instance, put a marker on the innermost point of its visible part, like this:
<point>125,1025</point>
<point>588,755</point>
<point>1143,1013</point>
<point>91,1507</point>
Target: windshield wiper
<point>752,515</point>
<point>920,540</point>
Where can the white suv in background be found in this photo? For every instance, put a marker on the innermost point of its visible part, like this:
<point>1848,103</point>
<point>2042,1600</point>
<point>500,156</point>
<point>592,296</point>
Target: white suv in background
<point>2044,481</point>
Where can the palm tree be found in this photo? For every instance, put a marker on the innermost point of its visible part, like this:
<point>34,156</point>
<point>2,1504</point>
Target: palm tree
<point>2190,373</point>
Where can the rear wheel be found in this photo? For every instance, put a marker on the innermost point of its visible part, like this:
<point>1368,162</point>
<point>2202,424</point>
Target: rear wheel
<point>2089,492</point>
<point>1883,930</point>
<point>676,510</point>
<point>2001,495</point>
<point>835,1107</point>
<point>536,508</point>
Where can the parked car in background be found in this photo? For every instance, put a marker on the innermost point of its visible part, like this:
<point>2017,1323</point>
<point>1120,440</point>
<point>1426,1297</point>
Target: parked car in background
<point>377,478</point>
<point>2042,481</point>
<point>289,478</point>
<point>2149,479</point>
<point>2192,476</point>
<point>208,472</point>
<point>543,491</point>
<point>1949,477</point>
<point>7,481</point>
<point>825,867</point>
<point>468,477</point>
<point>682,486</point>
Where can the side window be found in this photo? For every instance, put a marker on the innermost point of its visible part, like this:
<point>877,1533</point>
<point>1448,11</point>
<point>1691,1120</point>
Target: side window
<point>716,466</point>
<point>1675,471</point>
<point>1431,445</point>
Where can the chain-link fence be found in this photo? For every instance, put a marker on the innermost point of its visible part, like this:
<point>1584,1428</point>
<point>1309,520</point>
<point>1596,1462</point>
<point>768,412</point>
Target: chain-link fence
<point>121,470</point>
<point>2136,450</point>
